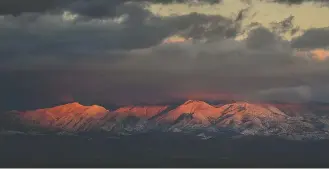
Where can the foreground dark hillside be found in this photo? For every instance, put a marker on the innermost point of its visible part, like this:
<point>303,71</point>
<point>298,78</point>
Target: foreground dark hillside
<point>160,150</point>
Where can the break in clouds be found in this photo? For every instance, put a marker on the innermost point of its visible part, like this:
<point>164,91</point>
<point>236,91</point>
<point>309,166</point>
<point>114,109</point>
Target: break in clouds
<point>140,61</point>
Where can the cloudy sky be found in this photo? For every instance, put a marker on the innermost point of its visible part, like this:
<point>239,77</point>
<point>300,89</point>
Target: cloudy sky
<point>157,51</point>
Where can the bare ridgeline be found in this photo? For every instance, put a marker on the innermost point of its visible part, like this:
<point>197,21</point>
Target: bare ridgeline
<point>190,134</point>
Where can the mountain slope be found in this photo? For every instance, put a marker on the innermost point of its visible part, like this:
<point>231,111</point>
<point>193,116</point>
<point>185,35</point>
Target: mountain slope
<point>68,117</point>
<point>141,111</point>
<point>198,110</point>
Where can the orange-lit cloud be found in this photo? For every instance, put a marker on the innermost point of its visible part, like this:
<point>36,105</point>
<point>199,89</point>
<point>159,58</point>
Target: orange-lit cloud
<point>315,54</point>
<point>175,39</point>
<point>320,54</point>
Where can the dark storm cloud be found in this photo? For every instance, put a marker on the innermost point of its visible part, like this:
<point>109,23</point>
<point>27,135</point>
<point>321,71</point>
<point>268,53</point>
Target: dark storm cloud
<point>262,67</point>
<point>313,38</point>
<point>262,38</point>
<point>296,93</point>
<point>298,1</point>
<point>94,8</point>
<point>182,1</point>
<point>88,8</point>
<point>38,41</point>
<point>267,51</point>
<point>49,37</point>
<point>16,7</point>
<point>134,66</point>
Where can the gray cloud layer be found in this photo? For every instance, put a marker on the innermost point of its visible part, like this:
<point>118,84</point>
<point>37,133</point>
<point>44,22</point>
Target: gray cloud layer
<point>49,36</point>
<point>314,38</point>
<point>126,39</point>
<point>298,1</point>
<point>94,8</point>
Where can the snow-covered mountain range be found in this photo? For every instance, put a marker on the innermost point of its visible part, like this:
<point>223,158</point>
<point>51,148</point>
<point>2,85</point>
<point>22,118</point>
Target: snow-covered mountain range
<point>291,121</point>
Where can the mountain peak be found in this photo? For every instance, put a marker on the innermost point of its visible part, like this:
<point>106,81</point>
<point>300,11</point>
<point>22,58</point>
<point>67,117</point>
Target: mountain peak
<point>95,109</point>
<point>73,104</point>
<point>200,110</point>
<point>63,116</point>
<point>194,102</point>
